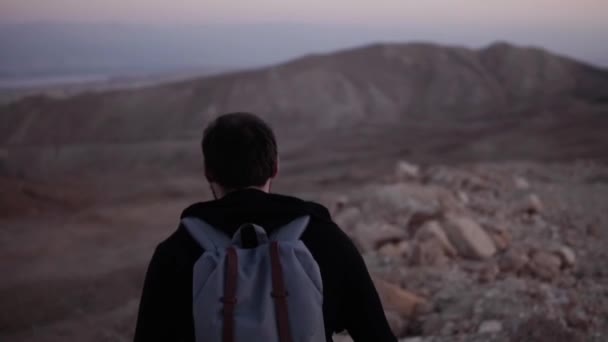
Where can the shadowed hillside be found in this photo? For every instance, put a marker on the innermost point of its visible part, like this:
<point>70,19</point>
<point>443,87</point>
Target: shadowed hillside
<point>448,98</point>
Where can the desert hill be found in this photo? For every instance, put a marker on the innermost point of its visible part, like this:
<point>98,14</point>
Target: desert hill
<point>438,101</point>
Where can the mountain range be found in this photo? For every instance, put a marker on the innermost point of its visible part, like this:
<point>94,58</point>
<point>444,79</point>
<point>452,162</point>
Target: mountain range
<point>419,100</point>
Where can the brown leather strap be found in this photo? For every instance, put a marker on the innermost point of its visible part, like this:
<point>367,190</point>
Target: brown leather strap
<point>279,293</point>
<point>229,298</point>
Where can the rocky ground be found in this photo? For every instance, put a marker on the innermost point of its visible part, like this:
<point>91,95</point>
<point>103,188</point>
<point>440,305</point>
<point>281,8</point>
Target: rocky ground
<point>479,252</point>
<point>486,253</point>
<point>490,250</point>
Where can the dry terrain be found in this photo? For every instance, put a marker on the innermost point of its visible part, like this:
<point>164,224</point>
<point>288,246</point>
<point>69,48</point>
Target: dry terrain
<point>473,181</point>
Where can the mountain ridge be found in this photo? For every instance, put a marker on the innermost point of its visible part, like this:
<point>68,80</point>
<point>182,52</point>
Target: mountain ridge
<point>383,85</point>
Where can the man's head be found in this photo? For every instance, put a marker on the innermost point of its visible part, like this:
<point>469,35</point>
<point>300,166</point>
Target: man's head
<point>240,151</point>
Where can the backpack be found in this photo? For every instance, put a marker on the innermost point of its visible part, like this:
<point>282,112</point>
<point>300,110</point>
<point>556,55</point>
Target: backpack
<point>255,287</point>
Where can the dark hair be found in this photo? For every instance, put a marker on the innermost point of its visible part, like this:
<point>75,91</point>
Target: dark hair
<point>240,150</point>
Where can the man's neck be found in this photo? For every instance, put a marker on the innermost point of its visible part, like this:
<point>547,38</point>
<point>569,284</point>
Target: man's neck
<point>219,191</point>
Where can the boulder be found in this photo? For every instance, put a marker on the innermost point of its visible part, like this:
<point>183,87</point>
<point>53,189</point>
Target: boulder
<point>419,219</point>
<point>337,204</point>
<point>490,327</point>
<point>396,299</point>
<point>532,205</point>
<point>402,249</point>
<point>457,179</point>
<point>545,265</point>
<point>540,328</point>
<point>567,256</point>
<point>501,239</point>
<point>433,324</point>
<point>372,236</point>
<point>521,183</point>
<point>489,272</point>
<point>498,230</point>
<point>407,171</point>
<point>463,197</point>
<point>348,218</point>
<point>433,230</point>
<point>513,261</point>
<point>429,253</point>
<point>406,198</point>
<point>578,319</point>
<point>468,237</point>
<point>396,322</point>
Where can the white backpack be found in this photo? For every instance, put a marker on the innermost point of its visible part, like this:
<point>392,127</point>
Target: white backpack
<point>271,291</point>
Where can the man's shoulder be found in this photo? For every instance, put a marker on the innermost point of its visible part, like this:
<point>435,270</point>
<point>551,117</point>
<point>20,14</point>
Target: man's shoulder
<point>177,245</point>
<point>316,210</point>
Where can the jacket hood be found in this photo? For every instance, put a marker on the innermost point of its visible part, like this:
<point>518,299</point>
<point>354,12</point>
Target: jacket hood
<point>267,210</point>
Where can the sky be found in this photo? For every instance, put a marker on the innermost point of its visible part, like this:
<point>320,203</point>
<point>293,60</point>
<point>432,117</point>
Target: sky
<point>555,13</point>
<point>577,28</point>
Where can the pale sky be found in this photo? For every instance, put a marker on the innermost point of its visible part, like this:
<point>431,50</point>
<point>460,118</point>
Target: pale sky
<point>553,13</point>
<point>578,28</point>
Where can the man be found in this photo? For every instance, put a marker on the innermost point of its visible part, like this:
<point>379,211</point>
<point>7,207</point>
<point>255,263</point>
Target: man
<point>241,160</point>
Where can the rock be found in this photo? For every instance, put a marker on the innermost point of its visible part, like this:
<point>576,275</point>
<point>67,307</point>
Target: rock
<point>418,219</point>
<point>432,325</point>
<point>373,236</point>
<point>533,205</point>
<point>521,183</point>
<point>402,249</point>
<point>513,261</point>
<point>407,171</point>
<point>465,327</point>
<point>463,197</point>
<point>424,308</point>
<point>490,327</point>
<point>468,237</point>
<point>567,256</point>
<point>545,265</point>
<point>577,319</point>
<point>396,322</point>
<point>396,299</point>
<point>593,230</point>
<point>450,204</point>
<point>348,218</point>
<point>542,329</point>
<point>448,329</point>
<point>489,273</point>
<point>458,179</point>
<point>406,198</point>
<point>433,230</point>
<point>338,204</point>
<point>429,253</point>
<point>501,240</point>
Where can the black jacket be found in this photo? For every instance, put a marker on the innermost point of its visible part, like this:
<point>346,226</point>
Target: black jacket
<point>350,299</point>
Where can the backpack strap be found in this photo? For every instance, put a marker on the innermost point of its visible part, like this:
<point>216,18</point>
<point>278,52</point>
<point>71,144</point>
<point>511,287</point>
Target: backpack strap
<point>229,299</point>
<point>291,231</point>
<point>279,294</point>
<point>208,237</point>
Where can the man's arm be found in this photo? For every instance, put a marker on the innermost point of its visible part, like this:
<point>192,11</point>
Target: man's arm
<point>155,321</point>
<point>364,316</point>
